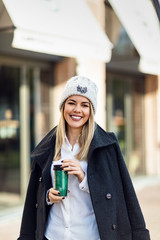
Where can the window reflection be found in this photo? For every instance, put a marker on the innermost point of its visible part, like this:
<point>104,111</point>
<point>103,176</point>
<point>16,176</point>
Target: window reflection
<point>9,130</point>
<point>8,127</point>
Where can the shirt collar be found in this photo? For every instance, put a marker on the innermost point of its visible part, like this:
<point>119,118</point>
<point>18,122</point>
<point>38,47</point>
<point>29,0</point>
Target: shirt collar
<point>68,145</point>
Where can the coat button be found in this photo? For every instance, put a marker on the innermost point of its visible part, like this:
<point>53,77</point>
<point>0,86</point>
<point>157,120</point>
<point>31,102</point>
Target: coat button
<point>108,196</point>
<point>114,226</point>
<point>36,205</point>
<point>40,179</point>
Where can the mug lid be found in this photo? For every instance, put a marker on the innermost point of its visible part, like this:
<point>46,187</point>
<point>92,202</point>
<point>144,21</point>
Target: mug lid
<point>57,167</point>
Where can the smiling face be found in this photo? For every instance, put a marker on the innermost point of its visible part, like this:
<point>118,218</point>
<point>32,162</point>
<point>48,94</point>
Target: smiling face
<point>76,112</point>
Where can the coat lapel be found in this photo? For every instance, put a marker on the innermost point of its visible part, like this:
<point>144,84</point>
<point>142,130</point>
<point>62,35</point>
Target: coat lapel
<point>46,176</point>
<point>101,139</point>
<point>45,145</point>
<point>45,149</point>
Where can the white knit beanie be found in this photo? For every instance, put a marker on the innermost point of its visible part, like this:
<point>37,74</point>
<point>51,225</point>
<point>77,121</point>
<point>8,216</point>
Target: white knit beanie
<point>80,85</point>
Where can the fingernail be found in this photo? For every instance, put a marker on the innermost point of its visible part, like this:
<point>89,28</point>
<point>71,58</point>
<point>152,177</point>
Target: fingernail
<point>59,193</point>
<point>63,198</point>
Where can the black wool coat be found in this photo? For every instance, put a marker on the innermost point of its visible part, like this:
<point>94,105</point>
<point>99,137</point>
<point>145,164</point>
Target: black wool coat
<point>118,213</point>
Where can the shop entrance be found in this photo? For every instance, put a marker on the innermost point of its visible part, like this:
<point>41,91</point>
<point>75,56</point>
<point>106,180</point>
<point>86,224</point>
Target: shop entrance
<point>9,130</point>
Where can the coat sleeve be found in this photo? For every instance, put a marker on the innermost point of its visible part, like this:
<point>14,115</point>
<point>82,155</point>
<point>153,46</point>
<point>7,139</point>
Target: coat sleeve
<point>28,224</point>
<point>139,231</point>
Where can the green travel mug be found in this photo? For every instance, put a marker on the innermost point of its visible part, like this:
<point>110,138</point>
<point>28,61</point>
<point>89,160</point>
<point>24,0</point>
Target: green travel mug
<point>60,180</point>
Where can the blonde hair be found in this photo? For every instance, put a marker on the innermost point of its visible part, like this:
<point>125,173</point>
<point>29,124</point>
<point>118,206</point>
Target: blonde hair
<point>85,137</point>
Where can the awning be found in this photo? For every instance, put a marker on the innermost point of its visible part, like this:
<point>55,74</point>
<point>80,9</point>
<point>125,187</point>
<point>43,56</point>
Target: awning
<point>57,27</point>
<point>141,23</point>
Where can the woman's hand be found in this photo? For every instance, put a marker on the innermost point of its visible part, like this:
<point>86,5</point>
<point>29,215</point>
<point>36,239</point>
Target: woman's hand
<point>73,167</point>
<point>53,196</point>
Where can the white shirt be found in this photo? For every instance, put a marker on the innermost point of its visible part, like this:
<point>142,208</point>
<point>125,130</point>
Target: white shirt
<point>73,218</point>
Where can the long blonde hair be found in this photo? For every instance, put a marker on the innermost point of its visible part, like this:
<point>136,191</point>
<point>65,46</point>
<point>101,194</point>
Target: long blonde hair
<point>84,139</point>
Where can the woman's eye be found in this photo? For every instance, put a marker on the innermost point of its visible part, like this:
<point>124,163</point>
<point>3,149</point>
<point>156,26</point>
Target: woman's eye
<point>85,105</point>
<point>71,103</point>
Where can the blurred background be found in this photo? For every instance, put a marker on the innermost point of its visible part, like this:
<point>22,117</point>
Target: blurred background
<point>116,43</point>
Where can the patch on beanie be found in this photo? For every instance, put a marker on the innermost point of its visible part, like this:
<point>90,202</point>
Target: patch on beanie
<point>81,89</point>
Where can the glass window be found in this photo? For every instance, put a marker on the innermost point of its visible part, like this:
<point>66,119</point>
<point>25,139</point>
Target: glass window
<point>9,129</point>
<point>125,118</point>
<point>38,82</point>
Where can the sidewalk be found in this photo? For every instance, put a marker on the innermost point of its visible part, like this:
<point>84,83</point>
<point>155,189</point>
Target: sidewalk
<point>10,223</point>
<point>149,199</point>
<point>148,192</point>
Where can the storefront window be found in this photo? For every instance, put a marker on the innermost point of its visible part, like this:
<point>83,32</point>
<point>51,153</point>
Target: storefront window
<point>125,118</point>
<point>9,130</point>
<point>15,147</point>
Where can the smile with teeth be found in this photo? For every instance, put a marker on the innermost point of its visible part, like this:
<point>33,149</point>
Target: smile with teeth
<point>75,117</point>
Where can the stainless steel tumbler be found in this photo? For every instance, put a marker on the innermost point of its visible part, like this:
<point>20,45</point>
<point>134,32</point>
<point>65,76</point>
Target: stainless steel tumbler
<point>60,180</point>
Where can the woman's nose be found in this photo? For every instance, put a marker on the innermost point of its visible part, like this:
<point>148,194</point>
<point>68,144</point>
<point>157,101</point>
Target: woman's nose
<point>77,108</point>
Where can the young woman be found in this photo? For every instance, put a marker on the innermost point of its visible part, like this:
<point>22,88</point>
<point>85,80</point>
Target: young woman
<point>101,203</point>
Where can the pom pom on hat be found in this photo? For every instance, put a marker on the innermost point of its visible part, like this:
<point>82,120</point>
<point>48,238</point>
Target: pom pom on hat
<point>83,86</point>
